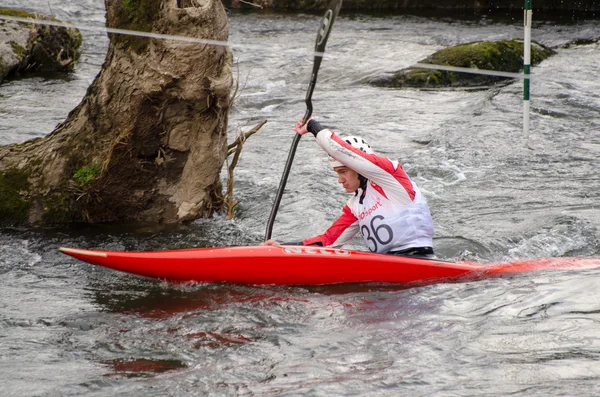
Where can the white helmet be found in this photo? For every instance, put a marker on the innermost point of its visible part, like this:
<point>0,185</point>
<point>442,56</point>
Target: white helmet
<point>356,142</point>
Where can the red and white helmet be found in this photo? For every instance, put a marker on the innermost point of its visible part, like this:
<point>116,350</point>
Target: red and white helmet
<point>357,143</point>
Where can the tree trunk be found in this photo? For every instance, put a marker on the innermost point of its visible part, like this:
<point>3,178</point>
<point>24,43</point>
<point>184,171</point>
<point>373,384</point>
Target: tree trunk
<point>148,141</point>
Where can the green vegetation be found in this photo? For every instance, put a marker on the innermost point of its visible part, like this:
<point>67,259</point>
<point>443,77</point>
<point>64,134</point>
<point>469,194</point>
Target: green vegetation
<point>85,175</point>
<point>13,207</point>
<point>15,13</point>
<point>61,206</point>
<point>18,49</point>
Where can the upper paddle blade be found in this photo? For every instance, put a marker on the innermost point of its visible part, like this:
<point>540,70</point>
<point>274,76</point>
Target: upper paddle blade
<point>326,24</point>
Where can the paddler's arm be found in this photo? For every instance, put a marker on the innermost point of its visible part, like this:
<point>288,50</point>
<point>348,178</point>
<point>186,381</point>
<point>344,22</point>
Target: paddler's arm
<point>340,232</point>
<point>312,126</point>
<point>301,128</point>
<point>388,174</point>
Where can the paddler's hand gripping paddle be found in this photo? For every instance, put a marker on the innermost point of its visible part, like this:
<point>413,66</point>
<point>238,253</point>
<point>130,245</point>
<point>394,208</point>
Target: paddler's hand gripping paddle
<point>326,24</point>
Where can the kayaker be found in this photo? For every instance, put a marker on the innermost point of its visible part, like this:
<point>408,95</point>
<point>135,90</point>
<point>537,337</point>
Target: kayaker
<point>387,207</point>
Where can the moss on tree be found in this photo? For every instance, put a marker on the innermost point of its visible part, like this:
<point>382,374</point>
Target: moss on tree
<point>138,15</point>
<point>58,208</point>
<point>13,205</point>
<point>86,174</point>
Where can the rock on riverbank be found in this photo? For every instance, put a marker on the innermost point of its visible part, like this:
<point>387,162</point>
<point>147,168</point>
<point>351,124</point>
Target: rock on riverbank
<point>26,47</point>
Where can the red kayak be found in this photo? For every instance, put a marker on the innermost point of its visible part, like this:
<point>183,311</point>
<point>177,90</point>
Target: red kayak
<point>302,265</point>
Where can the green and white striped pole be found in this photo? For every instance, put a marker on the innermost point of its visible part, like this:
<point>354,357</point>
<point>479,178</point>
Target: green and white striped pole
<point>527,66</point>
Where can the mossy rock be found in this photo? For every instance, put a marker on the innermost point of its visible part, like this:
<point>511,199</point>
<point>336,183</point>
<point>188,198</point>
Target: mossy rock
<point>502,56</point>
<point>54,49</point>
<point>37,48</point>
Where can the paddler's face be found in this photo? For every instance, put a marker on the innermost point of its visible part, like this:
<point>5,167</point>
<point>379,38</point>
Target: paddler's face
<point>347,178</point>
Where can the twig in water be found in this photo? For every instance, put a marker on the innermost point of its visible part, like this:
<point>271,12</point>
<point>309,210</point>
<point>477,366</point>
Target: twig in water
<point>236,149</point>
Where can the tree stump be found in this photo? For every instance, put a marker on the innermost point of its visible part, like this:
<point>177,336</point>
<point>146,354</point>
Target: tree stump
<point>149,139</point>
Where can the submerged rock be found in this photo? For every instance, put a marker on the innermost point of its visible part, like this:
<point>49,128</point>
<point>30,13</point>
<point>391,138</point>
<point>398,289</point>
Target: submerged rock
<point>578,42</point>
<point>26,47</point>
<point>502,56</point>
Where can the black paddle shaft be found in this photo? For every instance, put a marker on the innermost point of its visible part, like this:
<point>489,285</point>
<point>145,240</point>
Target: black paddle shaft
<point>322,35</point>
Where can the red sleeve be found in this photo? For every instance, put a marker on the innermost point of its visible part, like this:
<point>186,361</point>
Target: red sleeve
<point>335,233</point>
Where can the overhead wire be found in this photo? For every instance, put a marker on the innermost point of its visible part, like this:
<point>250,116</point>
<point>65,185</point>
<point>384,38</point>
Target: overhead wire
<point>467,70</point>
<point>195,40</point>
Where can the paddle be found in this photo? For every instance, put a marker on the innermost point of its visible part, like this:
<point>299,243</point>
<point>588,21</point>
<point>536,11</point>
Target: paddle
<point>326,24</point>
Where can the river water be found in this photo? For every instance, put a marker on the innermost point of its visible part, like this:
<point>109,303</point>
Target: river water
<point>67,328</point>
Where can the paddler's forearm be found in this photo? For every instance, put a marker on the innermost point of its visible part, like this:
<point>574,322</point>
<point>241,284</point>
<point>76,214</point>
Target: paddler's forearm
<point>314,127</point>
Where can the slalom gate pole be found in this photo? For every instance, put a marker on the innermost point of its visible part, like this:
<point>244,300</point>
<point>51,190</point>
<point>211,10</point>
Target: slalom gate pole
<point>527,65</point>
